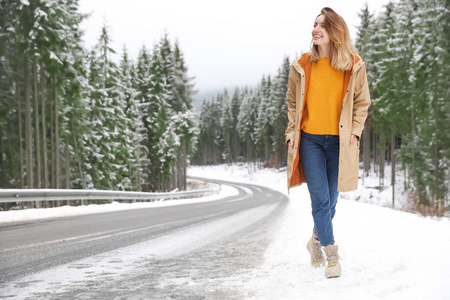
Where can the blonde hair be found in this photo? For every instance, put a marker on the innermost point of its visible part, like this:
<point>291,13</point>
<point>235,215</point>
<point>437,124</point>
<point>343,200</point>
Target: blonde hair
<point>342,51</point>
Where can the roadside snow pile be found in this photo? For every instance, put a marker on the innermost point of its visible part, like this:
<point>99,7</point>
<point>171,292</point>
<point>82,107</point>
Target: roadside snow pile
<point>369,191</point>
<point>272,178</point>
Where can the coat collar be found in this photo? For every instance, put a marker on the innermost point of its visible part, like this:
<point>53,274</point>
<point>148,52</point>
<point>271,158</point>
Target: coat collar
<point>358,63</point>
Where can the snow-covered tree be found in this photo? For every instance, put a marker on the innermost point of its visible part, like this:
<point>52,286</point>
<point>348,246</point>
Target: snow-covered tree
<point>42,43</point>
<point>182,108</point>
<point>264,127</point>
<point>279,118</point>
<point>407,62</point>
<point>165,95</point>
<point>110,142</point>
<point>72,118</point>
<point>210,141</point>
<point>364,34</point>
<point>136,131</point>
<point>226,123</point>
<point>246,127</point>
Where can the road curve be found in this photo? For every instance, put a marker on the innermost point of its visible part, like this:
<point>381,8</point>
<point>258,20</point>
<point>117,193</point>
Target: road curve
<point>188,251</point>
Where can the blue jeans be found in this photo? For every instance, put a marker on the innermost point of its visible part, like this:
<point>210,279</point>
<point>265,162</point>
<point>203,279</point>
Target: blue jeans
<point>320,159</point>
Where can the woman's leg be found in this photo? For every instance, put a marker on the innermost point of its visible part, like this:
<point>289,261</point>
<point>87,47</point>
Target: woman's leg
<point>313,153</point>
<point>332,152</point>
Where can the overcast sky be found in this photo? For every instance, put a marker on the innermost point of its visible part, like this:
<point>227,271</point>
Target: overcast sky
<point>226,43</point>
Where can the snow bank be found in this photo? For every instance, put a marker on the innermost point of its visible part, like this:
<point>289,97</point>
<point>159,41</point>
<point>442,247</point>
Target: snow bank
<point>369,191</point>
<point>272,178</point>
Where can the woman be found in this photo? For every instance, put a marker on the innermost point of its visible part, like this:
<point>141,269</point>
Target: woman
<point>328,98</point>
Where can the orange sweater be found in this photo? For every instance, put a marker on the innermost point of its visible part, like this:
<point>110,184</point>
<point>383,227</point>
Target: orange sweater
<point>324,100</point>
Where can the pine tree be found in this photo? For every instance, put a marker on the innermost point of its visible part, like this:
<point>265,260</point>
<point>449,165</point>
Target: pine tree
<point>73,119</point>
<point>235,141</point>
<point>226,123</point>
<point>407,65</point>
<point>49,87</point>
<point>182,107</point>
<point>110,140</point>
<point>162,96</point>
<point>142,80</point>
<point>278,116</point>
<point>135,130</point>
<point>246,127</point>
<point>431,65</point>
<point>383,72</point>
<point>10,169</point>
<point>264,128</point>
<point>210,141</point>
<point>365,31</point>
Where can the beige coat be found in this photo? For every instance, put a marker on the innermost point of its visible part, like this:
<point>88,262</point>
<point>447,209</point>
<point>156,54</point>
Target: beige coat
<point>354,113</point>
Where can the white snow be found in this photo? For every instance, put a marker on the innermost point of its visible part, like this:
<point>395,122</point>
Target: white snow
<point>369,191</point>
<point>272,178</point>
<point>386,253</point>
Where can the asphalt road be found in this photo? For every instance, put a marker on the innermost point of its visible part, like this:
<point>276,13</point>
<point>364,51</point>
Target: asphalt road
<point>191,251</point>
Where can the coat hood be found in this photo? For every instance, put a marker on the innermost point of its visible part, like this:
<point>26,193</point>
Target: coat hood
<point>303,61</point>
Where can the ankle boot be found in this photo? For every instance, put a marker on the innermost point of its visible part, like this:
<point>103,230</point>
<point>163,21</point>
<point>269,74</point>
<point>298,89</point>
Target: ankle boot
<point>315,250</point>
<point>333,268</point>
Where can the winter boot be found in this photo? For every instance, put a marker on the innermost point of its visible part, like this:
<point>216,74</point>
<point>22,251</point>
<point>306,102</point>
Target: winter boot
<point>333,268</point>
<point>314,248</point>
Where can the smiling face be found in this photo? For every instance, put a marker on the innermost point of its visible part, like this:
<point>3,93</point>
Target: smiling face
<point>319,33</point>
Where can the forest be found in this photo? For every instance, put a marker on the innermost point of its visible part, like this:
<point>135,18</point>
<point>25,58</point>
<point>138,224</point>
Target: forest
<point>405,48</point>
<point>72,117</point>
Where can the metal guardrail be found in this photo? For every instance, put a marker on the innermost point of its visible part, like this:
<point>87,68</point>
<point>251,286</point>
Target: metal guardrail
<point>31,195</point>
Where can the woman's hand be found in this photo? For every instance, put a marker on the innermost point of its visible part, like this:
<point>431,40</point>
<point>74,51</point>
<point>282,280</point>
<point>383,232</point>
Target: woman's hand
<point>291,142</point>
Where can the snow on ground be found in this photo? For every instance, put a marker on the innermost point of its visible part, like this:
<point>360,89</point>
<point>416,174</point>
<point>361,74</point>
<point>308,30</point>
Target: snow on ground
<point>369,191</point>
<point>67,211</point>
<point>272,178</point>
<point>386,254</point>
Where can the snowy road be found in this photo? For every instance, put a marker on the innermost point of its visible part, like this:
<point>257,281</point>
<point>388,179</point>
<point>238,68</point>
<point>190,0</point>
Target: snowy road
<point>192,251</point>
